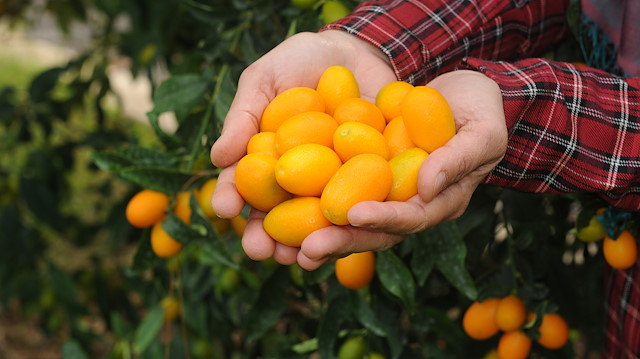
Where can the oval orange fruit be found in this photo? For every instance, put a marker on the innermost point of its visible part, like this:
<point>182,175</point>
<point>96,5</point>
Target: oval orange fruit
<point>256,181</point>
<point>263,142</point>
<point>479,319</point>
<point>306,169</point>
<point>356,270</point>
<point>355,138</point>
<point>620,253</point>
<point>146,208</point>
<point>390,97</point>
<point>397,137</point>
<point>163,245</point>
<point>293,220</point>
<point>511,313</point>
<point>554,331</point>
<point>514,345</point>
<point>288,103</point>
<point>428,118</point>
<point>306,127</point>
<point>336,84</point>
<point>405,167</point>
<point>365,177</point>
<point>360,110</point>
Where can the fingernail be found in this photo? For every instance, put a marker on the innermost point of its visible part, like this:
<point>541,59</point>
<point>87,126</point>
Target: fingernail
<point>441,181</point>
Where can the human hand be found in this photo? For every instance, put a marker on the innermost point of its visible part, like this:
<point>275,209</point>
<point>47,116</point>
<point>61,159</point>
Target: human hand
<point>298,61</point>
<point>446,181</point>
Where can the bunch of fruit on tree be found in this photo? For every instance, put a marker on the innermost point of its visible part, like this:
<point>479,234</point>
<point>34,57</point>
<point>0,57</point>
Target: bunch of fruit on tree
<point>148,208</point>
<point>508,315</point>
<point>619,248</point>
<point>321,150</point>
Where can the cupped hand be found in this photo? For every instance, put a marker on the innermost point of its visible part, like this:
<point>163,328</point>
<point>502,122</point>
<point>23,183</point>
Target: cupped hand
<point>446,180</point>
<point>298,61</point>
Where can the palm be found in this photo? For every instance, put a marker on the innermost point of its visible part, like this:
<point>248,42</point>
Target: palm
<point>299,61</point>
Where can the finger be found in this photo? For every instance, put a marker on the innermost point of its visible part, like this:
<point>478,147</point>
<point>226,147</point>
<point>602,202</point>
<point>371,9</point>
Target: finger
<point>243,119</point>
<point>474,150</point>
<point>333,242</point>
<point>225,200</point>
<point>414,215</point>
<point>391,216</point>
<point>285,255</point>
<point>255,241</point>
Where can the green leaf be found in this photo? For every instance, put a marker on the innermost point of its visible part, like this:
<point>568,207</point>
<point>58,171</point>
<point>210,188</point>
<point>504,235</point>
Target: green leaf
<point>449,252</point>
<point>213,254</point>
<point>158,179</point>
<point>306,346</point>
<point>421,261</point>
<point>148,329</point>
<point>329,326</point>
<point>269,306</point>
<point>42,85</point>
<point>109,161</point>
<point>144,258</point>
<point>119,327</point>
<point>144,156</point>
<point>180,231</point>
<point>223,102</point>
<point>72,350</point>
<point>166,139</point>
<point>396,278</point>
<point>179,93</point>
<point>365,315</point>
<point>318,275</point>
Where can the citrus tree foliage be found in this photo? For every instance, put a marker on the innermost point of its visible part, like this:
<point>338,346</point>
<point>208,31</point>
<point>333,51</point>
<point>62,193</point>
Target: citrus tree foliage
<point>69,257</point>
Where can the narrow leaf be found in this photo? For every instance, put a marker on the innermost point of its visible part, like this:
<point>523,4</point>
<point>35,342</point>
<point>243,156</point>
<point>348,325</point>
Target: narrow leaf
<point>158,179</point>
<point>214,254</point>
<point>269,306</point>
<point>396,278</point>
<point>329,325</point>
<point>109,161</point>
<point>144,258</point>
<point>72,350</point>
<point>180,231</point>
<point>421,262</point>
<point>450,252</point>
<point>144,156</point>
<point>365,315</point>
<point>148,329</point>
<point>166,139</point>
<point>179,93</point>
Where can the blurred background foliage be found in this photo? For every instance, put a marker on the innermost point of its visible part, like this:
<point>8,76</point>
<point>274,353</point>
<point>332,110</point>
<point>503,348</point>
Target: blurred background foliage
<point>80,275</point>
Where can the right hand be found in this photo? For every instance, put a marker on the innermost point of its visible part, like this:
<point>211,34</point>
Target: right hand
<point>298,61</point>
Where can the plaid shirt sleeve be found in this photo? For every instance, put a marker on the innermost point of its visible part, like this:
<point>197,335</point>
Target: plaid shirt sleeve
<point>428,37</point>
<point>571,129</point>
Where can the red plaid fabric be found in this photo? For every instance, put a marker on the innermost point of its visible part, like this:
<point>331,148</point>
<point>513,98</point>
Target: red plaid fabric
<point>572,129</point>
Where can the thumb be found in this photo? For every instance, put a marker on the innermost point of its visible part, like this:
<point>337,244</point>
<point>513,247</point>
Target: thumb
<point>242,120</point>
<point>473,151</point>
